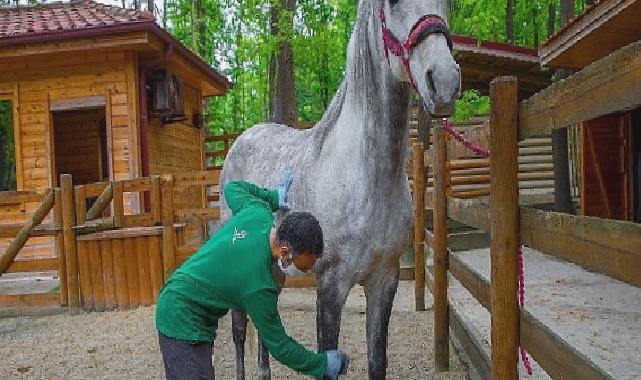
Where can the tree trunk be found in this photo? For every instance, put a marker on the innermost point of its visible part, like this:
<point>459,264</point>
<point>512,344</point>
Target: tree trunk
<point>164,14</point>
<point>551,19</point>
<point>535,21</point>
<point>151,7</point>
<point>509,21</point>
<point>194,29</point>
<point>201,28</point>
<point>282,89</point>
<point>562,195</point>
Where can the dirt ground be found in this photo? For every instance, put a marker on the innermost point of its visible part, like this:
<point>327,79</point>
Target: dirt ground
<point>123,345</point>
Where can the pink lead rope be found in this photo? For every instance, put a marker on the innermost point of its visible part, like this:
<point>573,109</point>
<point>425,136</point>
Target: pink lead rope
<point>480,151</point>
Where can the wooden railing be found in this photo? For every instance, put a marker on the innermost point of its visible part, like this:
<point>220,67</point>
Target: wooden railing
<point>609,247</point>
<point>227,139</point>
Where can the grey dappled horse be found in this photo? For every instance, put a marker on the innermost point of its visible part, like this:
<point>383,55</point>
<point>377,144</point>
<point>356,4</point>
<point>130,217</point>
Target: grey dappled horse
<point>349,169</point>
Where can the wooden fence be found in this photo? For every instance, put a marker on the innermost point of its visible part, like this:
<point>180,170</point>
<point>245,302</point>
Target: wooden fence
<point>609,247</point>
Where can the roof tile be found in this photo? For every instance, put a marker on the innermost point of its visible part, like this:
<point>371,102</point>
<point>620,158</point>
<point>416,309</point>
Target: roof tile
<point>61,17</point>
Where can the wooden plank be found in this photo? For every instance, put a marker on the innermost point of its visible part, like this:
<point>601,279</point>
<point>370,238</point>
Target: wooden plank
<point>559,359</point>
<point>84,274</point>
<point>471,213</point>
<point>504,228</point>
<point>108,275</point>
<point>206,177</point>
<point>118,205</point>
<point>441,310</point>
<point>610,247</point>
<point>124,233</point>
<point>471,280</point>
<point>77,103</point>
<point>419,225</point>
<point>155,265</point>
<point>95,270</point>
<point>29,300</point>
<point>60,246</point>
<point>140,220</point>
<point>203,214</point>
<point>11,230</point>
<point>581,96</point>
<point>23,235</point>
<point>156,201</point>
<point>68,220</point>
<point>33,265</point>
<point>144,276</point>
<point>308,281</point>
<point>18,197</point>
<point>169,234</point>
<point>120,274</point>
<point>136,185</point>
<point>131,264</point>
<point>81,208</point>
<point>470,344</point>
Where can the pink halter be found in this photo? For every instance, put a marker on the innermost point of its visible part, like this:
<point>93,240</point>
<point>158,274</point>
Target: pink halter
<point>426,25</point>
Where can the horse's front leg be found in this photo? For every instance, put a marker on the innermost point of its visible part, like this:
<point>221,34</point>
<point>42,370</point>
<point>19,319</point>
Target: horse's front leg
<point>331,294</point>
<point>239,333</point>
<point>380,289</point>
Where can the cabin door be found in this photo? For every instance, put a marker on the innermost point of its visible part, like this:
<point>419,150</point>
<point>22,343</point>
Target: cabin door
<point>606,169</point>
<point>80,145</point>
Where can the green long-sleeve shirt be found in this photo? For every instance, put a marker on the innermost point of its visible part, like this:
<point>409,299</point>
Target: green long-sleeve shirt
<point>232,270</point>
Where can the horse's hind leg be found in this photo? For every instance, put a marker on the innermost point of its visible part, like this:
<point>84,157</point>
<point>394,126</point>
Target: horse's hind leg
<point>379,291</point>
<point>264,372</point>
<point>239,332</point>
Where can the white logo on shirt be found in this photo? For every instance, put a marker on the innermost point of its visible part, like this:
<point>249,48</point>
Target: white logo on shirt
<point>238,235</point>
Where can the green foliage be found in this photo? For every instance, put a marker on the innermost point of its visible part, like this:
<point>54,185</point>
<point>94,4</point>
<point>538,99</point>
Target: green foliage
<point>7,148</point>
<point>471,104</point>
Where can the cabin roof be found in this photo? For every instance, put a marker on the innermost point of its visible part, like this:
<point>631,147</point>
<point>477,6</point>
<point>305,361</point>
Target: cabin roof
<point>482,61</point>
<point>601,29</point>
<point>86,18</point>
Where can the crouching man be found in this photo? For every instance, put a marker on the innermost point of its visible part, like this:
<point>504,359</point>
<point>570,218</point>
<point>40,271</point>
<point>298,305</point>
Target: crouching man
<point>232,270</point>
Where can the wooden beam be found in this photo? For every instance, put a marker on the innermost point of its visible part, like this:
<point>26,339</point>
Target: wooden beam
<point>582,96</point>
<point>478,286</point>
<point>60,246</point>
<point>559,359</point>
<point>118,205</point>
<point>23,235</point>
<point>419,225</point>
<point>441,318</point>
<point>33,265</point>
<point>470,344</point>
<point>471,213</point>
<point>9,198</point>
<point>504,227</point>
<point>308,281</point>
<point>77,103</point>
<point>101,203</point>
<point>29,300</point>
<point>11,230</point>
<point>207,177</point>
<point>610,247</point>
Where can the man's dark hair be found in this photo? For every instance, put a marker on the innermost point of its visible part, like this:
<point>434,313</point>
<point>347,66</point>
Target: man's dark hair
<point>302,233</point>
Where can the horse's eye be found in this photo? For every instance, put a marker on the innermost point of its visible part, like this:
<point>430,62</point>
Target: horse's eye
<point>394,2</point>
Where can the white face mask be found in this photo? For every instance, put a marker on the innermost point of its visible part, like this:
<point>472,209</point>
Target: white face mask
<point>291,270</point>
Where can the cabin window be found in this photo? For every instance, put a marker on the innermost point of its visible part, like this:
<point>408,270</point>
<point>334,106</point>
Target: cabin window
<point>7,147</point>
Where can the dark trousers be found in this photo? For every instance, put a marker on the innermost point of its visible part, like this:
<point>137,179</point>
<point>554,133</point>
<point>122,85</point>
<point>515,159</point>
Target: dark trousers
<point>185,360</point>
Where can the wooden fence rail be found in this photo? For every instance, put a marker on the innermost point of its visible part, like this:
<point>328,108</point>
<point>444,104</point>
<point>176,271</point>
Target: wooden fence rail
<point>606,246</point>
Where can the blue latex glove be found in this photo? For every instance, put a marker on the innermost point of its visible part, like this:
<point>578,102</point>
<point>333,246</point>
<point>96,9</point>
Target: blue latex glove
<point>284,183</point>
<point>337,364</point>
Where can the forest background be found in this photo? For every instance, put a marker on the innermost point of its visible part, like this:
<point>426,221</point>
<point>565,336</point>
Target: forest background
<point>286,57</point>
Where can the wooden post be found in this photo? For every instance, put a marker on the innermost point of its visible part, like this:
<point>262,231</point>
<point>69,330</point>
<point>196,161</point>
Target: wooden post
<point>119,209</point>
<point>419,226</point>
<point>504,212</point>
<point>441,304</point>
<point>168,232</point>
<point>81,208</point>
<point>69,236</point>
<point>23,235</point>
<point>60,247</point>
<point>156,200</point>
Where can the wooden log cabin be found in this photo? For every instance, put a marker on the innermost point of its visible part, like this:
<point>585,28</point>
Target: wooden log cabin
<point>101,93</point>
<point>610,146</point>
